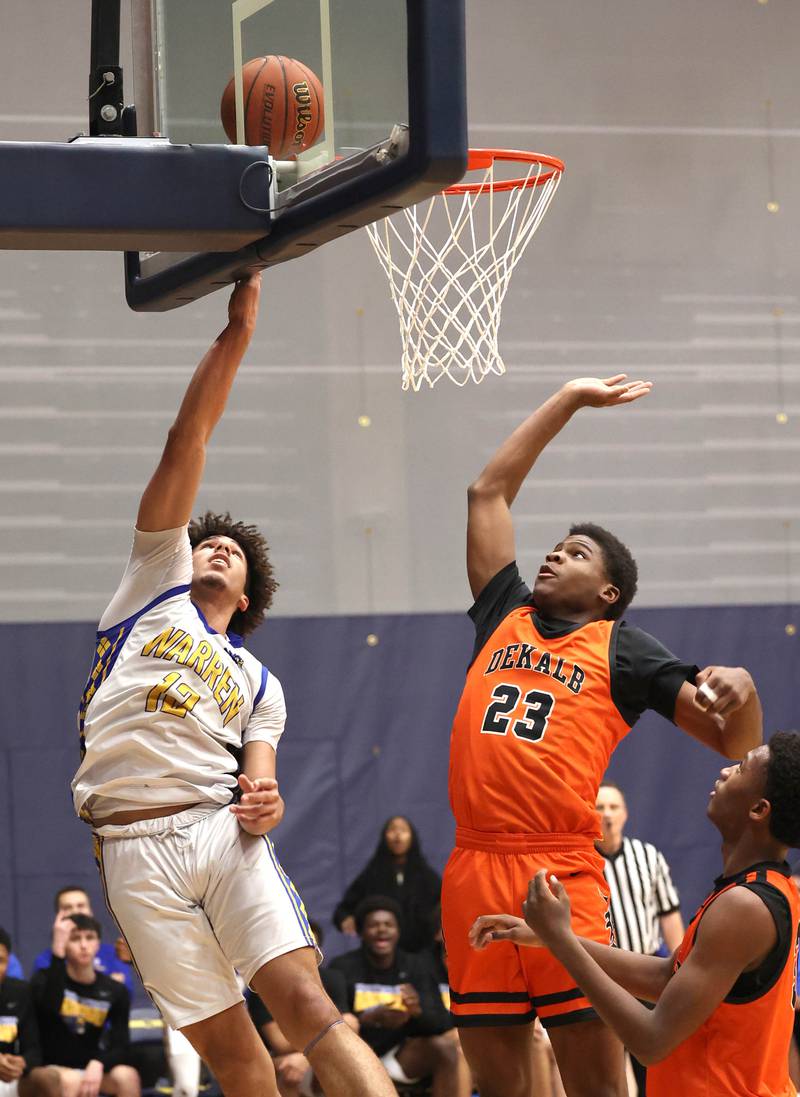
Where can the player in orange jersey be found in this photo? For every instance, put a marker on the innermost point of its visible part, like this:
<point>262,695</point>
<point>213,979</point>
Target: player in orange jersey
<point>725,1000</point>
<point>557,679</point>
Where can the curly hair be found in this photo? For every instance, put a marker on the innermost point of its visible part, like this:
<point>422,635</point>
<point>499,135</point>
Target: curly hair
<point>620,565</point>
<point>783,787</point>
<point>261,584</point>
<point>370,904</point>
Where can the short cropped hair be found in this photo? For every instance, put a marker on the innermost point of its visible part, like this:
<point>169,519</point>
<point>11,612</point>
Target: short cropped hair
<point>614,785</point>
<point>783,787</point>
<point>63,891</point>
<point>87,924</point>
<point>371,904</point>
<point>260,585</point>
<point>5,940</point>
<point>620,565</point>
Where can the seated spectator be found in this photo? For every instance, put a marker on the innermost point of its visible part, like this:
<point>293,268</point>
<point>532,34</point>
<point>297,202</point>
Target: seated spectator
<point>292,1069</point>
<point>396,999</point>
<point>398,870</point>
<point>437,959</point>
<point>113,960</point>
<point>83,1015</point>
<point>20,1055</point>
<point>14,969</point>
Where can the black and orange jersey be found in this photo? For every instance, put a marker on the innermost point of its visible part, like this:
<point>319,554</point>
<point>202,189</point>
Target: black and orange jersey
<point>742,1050</point>
<point>544,705</point>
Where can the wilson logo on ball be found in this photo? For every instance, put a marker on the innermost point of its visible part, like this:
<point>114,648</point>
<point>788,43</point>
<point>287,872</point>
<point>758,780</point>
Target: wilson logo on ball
<point>282,105</point>
<point>304,115</point>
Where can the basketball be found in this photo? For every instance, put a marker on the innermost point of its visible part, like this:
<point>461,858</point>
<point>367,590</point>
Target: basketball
<point>283,105</point>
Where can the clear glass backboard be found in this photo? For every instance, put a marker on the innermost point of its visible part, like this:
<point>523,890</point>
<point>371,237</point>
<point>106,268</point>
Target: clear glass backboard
<point>378,64</point>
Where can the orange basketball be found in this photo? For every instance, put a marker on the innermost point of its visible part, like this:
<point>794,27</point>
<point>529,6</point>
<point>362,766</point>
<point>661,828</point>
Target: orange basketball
<point>283,106</point>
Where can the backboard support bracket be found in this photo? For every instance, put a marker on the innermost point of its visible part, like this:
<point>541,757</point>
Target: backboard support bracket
<point>106,92</point>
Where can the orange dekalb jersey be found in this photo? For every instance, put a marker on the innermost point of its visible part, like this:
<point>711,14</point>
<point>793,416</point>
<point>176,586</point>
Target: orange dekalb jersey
<point>742,1050</point>
<point>544,705</point>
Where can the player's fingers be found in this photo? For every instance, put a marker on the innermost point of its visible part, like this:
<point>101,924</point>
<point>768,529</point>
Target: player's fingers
<point>557,888</point>
<point>482,924</point>
<point>254,812</point>
<point>265,784</point>
<point>245,784</point>
<point>706,696</point>
<point>615,380</point>
<point>539,884</point>
<point>632,394</point>
<point>499,934</point>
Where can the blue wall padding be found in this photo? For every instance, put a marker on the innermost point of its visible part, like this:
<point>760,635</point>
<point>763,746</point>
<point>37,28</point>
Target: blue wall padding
<point>367,736</point>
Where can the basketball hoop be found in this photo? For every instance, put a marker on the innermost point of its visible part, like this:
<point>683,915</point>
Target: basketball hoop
<point>449,270</point>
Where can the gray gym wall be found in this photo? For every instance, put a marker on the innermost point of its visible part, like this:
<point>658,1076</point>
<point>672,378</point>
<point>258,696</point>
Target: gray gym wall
<point>678,123</point>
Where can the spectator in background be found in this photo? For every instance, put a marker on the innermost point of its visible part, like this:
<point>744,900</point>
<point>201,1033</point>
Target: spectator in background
<point>396,999</point>
<point>113,960</point>
<point>83,1015</point>
<point>645,907</point>
<point>20,1055</point>
<point>14,968</point>
<point>293,1071</point>
<point>398,870</point>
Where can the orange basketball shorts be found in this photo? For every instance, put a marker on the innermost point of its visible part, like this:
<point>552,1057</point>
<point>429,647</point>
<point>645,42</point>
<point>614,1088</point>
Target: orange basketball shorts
<point>505,984</point>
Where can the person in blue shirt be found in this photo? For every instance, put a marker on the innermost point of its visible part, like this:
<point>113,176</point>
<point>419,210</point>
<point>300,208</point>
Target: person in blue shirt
<point>74,900</point>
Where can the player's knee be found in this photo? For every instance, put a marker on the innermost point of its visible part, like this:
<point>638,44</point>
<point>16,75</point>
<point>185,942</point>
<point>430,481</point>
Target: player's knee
<point>308,1009</point>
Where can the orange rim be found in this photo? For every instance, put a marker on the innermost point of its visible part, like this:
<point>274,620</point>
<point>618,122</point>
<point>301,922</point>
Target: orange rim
<point>482,159</point>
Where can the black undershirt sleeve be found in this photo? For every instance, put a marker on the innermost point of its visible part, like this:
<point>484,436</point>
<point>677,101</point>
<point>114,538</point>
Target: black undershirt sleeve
<point>506,591</point>
<point>645,674</point>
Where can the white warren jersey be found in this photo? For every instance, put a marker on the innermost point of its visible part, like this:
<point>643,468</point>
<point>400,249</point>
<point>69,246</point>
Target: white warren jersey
<point>169,702</point>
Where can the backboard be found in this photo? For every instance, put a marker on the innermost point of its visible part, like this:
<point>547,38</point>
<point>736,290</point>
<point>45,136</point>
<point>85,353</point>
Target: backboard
<point>393,83</point>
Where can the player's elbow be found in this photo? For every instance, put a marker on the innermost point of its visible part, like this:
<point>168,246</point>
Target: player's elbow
<point>483,490</point>
<point>652,1049</point>
<point>185,438</point>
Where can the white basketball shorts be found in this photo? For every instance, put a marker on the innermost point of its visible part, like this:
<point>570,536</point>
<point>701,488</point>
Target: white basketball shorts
<point>195,896</point>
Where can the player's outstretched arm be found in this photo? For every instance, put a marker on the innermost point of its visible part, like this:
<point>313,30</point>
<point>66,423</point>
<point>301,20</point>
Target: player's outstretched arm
<point>490,531</point>
<point>720,954</point>
<point>722,710</point>
<point>643,976</point>
<point>169,497</point>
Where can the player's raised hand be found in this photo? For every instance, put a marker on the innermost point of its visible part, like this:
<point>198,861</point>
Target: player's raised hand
<point>607,392</point>
<point>261,805</point>
<point>721,691</point>
<point>547,908</point>
<point>243,305</point>
<point>488,928</point>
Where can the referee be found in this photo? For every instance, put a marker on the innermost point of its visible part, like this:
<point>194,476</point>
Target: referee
<point>645,908</point>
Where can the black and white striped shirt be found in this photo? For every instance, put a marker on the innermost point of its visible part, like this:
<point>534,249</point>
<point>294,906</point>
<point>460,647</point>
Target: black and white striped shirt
<point>641,891</point>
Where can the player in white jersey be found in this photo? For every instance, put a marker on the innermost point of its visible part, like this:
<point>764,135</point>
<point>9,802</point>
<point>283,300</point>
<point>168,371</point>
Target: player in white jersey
<point>180,726</point>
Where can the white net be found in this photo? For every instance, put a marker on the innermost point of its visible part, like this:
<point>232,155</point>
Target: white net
<point>449,262</point>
